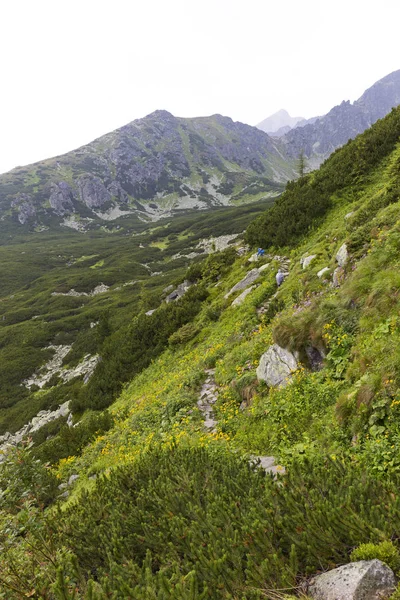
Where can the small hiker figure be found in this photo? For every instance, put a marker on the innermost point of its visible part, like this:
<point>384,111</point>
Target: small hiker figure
<point>260,252</point>
<point>280,276</point>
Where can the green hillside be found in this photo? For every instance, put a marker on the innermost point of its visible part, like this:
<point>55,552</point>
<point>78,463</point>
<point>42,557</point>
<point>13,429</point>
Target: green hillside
<point>155,505</point>
<point>37,275</point>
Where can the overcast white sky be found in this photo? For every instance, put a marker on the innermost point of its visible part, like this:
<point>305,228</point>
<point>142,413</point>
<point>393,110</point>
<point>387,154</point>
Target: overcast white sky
<point>72,70</point>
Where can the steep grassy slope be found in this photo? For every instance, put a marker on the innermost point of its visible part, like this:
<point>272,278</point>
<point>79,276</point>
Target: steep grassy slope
<point>164,508</point>
<point>38,272</point>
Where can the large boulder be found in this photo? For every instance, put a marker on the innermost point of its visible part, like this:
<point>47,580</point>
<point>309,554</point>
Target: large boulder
<point>276,366</point>
<point>342,255</point>
<point>248,280</point>
<point>362,580</point>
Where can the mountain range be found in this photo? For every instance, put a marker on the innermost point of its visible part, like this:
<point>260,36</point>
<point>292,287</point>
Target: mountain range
<point>149,168</point>
<point>194,431</point>
<point>317,138</point>
<point>161,165</point>
<point>280,123</point>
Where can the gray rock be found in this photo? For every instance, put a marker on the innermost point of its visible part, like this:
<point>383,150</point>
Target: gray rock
<point>249,279</point>
<point>150,312</point>
<point>307,260</point>
<point>337,277</point>
<point>254,257</point>
<point>363,580</point>
<point>322,272</point>
<point>263,267</point>
<point>92,191</point>
<point>61,198</point>
<point>349,215</point>
<point>26,211</point>
<point>276,366</point>
<point>72,479</point>
<point>240,299</point>
<point>268,464</point>
<point>342,255</point>
<point>179,292</point>
<point>315,357</point>
<point>216,244</point>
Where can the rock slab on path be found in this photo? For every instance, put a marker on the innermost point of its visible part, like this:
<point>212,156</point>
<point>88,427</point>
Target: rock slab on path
<point>249,279</point>
<point>362,580</point>
<point>208,397</point>
<point>240,299</point>
<point>276,366</point>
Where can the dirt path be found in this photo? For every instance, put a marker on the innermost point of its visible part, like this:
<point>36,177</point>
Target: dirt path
<point>207,398</point>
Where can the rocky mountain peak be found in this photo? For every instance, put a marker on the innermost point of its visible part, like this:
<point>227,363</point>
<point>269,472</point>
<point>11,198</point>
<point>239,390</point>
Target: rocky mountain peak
<point>277,121</point>
<point>319,138</point>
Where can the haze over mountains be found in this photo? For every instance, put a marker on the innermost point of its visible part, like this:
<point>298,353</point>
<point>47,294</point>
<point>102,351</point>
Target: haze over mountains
<point>279,123</point>
<point>160,165</point>
<point>320,136</point>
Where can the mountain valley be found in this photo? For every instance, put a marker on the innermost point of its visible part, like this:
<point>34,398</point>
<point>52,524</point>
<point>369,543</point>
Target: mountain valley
<point>176,423</point>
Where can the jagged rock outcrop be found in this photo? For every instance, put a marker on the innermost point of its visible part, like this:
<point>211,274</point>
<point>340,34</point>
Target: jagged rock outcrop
<point>61,198</point>
<point>55,367</point>
<point>99,289</point>
<point>92,191</point>
<point>362,580</point>
<point>276,366</point>
<point>23,204</point>
<point>338,277</point>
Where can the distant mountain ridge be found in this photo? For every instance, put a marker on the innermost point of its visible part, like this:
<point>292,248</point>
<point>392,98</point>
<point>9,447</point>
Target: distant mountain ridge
<point>149,168</point>
<point>161,165</point>
<point>279,121</point>
<point>343,122</point>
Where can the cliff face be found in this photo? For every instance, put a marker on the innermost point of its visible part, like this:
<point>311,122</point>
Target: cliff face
<point>150,167</point>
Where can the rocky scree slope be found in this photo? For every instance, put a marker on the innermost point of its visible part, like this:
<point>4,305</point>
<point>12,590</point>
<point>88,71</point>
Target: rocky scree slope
<point>148,168</point>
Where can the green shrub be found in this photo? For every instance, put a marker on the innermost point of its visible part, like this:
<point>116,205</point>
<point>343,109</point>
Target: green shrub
<point>183,335</point>
<point>386,551</point>
<point>307,200</point>
<point>396,595</point>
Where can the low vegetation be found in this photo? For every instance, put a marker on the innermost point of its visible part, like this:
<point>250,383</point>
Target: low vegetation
<point>163,508</point>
